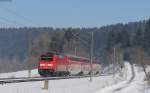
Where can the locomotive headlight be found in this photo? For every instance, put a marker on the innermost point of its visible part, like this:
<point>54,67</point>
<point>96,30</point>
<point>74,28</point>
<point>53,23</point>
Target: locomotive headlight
<point>42,64</point>
<point>50,64</point>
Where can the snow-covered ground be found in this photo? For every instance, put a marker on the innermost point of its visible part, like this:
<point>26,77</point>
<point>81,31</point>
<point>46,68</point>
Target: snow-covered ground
<point>82,85</point>
<point>119,83</point>
<point>34,73</point>
<point>134,82</point>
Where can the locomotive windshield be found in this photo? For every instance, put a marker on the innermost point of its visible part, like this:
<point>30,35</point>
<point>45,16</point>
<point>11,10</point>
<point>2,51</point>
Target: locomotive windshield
<point>47,58</point>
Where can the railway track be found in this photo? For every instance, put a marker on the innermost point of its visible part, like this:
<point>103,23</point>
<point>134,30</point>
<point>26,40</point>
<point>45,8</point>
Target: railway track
<point>31,79</point>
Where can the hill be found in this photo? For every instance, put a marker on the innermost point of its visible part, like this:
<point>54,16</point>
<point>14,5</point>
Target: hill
<point>17,45</point>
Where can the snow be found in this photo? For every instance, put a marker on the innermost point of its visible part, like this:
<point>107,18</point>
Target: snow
<point>19,74</point>
<point>122,82</point>
<point>82,85</point>
<point>134,82</point>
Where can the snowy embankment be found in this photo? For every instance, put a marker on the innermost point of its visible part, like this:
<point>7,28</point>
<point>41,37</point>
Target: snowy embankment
<point>127,82</point>
<point>34,73</point>
<point>134,82</point>
<point>82,85</point>
<point>127,75</point>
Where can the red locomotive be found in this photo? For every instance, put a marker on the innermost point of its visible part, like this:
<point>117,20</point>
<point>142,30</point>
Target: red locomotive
<point>52,64</point>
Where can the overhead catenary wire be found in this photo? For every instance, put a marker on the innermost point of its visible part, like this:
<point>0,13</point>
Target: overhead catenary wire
<point>83,41</point>
<point>17,14</point>
<point>90,52</point>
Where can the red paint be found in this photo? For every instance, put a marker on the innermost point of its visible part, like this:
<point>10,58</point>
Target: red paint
<point>63,60</point>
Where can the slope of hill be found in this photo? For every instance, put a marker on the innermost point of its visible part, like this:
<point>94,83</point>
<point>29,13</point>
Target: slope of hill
<point>126,39</point>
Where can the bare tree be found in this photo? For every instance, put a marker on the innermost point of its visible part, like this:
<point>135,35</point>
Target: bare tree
<point>140,57</point>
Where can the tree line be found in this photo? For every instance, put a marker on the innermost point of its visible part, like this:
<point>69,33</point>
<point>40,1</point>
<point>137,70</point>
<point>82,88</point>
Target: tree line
<point>129,40</point>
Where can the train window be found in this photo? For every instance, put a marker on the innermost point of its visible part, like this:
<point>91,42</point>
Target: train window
<point>47,59</point>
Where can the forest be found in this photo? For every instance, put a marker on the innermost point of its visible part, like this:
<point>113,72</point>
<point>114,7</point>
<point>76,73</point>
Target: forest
<point>20,47</point>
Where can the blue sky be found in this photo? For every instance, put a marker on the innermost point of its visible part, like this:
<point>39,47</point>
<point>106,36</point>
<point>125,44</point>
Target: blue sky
<point>72,13</point>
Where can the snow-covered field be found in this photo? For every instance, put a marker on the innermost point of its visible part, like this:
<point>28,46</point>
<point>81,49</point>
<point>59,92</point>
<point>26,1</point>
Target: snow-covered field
<point>124,82</point>
<point>134,82</point>
<point>34,73</point>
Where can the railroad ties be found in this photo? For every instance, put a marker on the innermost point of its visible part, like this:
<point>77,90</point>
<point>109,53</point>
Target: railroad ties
<point>32,79</point>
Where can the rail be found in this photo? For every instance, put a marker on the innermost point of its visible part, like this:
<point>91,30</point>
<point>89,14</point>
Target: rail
<point>31,79</point>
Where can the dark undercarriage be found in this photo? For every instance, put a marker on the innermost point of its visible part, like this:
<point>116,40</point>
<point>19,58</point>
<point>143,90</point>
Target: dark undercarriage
<point>51,73</point>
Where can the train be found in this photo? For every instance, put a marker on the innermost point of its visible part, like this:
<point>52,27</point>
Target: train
<point>54,64</point>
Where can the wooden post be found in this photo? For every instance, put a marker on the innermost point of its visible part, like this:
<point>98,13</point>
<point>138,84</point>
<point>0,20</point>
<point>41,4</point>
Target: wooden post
<point>29,72</point>
<point>46,84</point>
<point>91,57</point>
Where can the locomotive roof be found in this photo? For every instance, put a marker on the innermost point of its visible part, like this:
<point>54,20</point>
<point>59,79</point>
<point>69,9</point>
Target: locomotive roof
<point>69,55</point>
